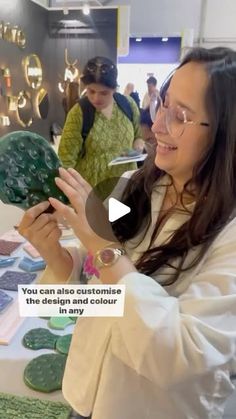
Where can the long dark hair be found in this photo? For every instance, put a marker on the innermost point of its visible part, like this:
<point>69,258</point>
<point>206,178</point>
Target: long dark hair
<point>214,176</point>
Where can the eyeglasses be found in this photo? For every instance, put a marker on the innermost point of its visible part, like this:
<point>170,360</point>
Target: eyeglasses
<point>99,67</point>
<point>175,117</point>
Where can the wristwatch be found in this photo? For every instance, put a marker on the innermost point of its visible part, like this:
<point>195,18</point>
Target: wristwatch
<point>108,256</point>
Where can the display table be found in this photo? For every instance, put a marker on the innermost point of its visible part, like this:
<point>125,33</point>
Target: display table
<point>14,357</point>
<point>10,320</point>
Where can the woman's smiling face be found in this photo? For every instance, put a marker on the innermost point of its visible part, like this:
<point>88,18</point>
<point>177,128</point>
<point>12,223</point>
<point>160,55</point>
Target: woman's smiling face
<point>187,91</point>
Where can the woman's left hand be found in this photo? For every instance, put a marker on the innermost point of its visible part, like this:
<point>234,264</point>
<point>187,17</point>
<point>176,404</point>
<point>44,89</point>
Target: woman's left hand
<point>79,193</point>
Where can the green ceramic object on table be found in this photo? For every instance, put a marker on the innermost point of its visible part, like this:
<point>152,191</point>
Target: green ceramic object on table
<point>28,166</point>
<point>63,344</point>
<point>60,323</point>
<point>18,407</point>
<point>45,372</point>
<point>40,338</point>
<point>74,319</point>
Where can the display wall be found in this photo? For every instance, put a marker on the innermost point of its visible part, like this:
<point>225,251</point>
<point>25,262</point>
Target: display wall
<point>47,33</point>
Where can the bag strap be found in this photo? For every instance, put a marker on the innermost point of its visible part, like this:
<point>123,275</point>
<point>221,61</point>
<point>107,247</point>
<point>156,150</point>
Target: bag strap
<point>88,115</point>
<point>124,105</point>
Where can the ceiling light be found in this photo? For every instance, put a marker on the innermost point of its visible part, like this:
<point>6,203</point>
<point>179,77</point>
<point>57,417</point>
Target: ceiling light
<point>86,9</point>
<point>138,39</point>
<point>164,39</point>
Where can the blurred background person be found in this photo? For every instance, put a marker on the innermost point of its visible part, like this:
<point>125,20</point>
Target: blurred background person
<point>111,133</point>
<point>129,88</point>
<point>152,92</point>
<point>129,91</point>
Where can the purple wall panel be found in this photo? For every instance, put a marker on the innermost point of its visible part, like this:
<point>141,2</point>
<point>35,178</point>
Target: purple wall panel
<point>153,50</point>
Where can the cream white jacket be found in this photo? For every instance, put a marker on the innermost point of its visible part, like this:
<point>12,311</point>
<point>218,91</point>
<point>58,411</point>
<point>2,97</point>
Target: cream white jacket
<point>171,355</point>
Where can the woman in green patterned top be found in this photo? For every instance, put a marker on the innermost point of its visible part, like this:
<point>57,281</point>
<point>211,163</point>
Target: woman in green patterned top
<point>112,131</point>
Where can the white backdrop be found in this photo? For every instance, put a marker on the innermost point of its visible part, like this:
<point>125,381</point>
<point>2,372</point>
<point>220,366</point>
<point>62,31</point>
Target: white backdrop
<point>138,74</point>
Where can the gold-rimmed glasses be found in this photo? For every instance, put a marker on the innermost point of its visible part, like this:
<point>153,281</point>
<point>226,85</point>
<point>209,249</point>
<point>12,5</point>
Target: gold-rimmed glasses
<point>175,117</point>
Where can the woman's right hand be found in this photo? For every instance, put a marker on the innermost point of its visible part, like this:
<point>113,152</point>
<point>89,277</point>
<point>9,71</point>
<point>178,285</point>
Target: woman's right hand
<point>41,230</point>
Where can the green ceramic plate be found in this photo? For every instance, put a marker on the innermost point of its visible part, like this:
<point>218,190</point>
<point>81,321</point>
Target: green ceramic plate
<point>28,166</point>
<point>40,338</point>
<point>45,372</point>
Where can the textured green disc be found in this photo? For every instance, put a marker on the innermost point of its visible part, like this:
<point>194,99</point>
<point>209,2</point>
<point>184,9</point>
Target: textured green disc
<point>45,372</point>
<point>28,166</point>
<point>59,323</point>
<point>18,407</point>
<point>63,344</point>
<point>40,338</point>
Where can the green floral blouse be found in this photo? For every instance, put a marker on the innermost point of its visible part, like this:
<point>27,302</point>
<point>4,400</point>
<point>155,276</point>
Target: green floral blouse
<point>105,141</point>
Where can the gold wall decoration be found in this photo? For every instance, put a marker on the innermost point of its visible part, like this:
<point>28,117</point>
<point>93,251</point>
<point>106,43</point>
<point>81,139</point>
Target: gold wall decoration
<point>20,39</point>
<point>12,34</point>
<point>71,71</point>
<point>12,103</point>
<point>5,120</point>
<point>71,74</point>
<point>24,109</point>
<point>33,71</point>
<point>22,99</point>
<point>42,103</point>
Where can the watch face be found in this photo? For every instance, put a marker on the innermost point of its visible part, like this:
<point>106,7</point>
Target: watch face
<point>107,255</point>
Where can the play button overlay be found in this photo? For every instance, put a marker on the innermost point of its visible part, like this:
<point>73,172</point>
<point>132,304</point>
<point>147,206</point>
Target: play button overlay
<point>104,207</point>
<point>116,209</point>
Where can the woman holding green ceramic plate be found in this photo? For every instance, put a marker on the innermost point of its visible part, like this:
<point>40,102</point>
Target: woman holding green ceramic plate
<point>173,352</point>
